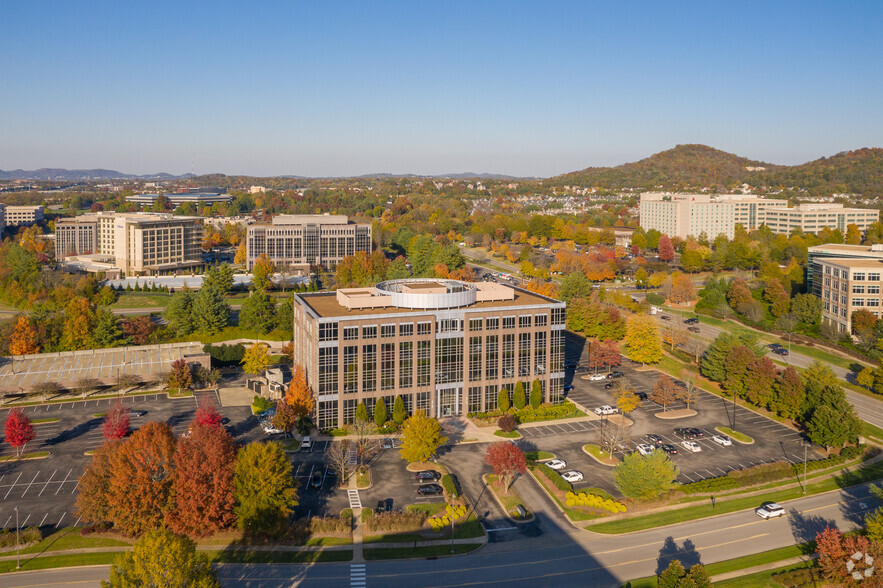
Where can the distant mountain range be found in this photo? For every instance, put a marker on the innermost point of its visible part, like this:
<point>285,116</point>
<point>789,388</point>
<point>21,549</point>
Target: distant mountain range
<point>49,173</point>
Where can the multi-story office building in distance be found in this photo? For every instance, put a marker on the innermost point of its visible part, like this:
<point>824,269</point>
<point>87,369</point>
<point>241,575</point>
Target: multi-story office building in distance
<point>813,217</point>
<point>19,216</point>
<point>690,215</point>
<point>446,347</point>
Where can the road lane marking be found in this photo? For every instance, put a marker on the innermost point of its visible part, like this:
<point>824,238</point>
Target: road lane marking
<point>656,558</point>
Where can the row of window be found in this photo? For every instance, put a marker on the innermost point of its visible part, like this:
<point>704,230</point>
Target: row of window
<point>862,289</point>
<point>856,276</point>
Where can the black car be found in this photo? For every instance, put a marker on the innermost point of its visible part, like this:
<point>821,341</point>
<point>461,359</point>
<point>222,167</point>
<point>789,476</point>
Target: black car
<point>616,374</point>
<point>609,385</point>
<point>665,317</point>
<point>427,476</point>
<point>670,449</point>
<point>696,433</point>
<point>641,395</point>
<point>780,351</point>
<point>138,413</point>
<point>429,490</point>
<point>689,433</point>
<point>655,439</point>
<point>692,321</point>
<point>383,506</point>
<point>683,433</point>
<point>316,480</point>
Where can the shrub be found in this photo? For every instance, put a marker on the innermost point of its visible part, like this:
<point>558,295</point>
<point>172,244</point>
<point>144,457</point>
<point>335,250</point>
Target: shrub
<point>654,298</point>
<point>387,430</point>
<point>593,501</point>
<point>798,578</point>
<point>710,485</point>
<point>341,524</point>
<point>450,485</point>
<point>260,404</point>
<point>225,354</point>
<point>507,423</point>
<point>396,522</point>
<point>554,477</point>
<point>27,535</point>
<point>442,521</point>
<point>338,432</point>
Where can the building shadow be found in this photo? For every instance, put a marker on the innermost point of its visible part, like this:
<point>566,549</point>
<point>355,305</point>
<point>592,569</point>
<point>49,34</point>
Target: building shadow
<point>804,528</point>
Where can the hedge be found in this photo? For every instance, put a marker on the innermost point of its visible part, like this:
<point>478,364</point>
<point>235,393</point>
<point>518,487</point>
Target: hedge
<point>554,477</point>
<point>396,522</point>
<point>798,578</point>
<point>594,501</point>
<point>225,354</point>
<point>451,513</point>
<point>449,485</point>
<point>528,414</point>
<point>28,535</point>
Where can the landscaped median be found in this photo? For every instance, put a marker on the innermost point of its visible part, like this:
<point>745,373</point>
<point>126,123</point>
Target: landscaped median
<point>600,455</point>
<point>584,505</point>
<point>26,456</point>
<point>509,500</point>
<point>735,435</point>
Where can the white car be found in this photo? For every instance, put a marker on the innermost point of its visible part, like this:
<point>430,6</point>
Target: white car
<point>645,449</point>
<point>556,464</point>
<point>768,511</point>
<point>572,476</point>
<point>597,377</point>
<point>722,440</point>
<point>271,430</point>
<point>606,409</point>
<point>692,446</point>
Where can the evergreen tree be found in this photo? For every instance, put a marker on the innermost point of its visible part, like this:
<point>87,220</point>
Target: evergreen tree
<point>536,394</point>
<point>258,312</point>
<point>210,311</point>
<point>518,398</point>
<point>380,413</point>
<point>503,399</point>
<point>220,277</point>
<point>399,414</point>
<point>362,413</point>
<point>285,315</point>
<point>107,331</point>
<point>179,312</point>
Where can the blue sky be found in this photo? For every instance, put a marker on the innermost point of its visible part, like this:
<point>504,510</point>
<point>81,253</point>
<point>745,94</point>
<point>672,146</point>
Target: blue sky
<point>346,88</point>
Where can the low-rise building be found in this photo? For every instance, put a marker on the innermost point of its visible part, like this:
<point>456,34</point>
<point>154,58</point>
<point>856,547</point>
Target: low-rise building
<point>177,199</point>
<point>19,216</point>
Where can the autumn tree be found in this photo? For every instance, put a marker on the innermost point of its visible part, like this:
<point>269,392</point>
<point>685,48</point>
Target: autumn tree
<point>779,299</point>
<point>299,395</point>
<point>739,294</point>
<point>682,289</point>
<point>256,359</point>
<point>739,362</point>
<point>138,329</point>
<point>507,461</point>
<point>18,430</point>
<point>688,392</point>
<point>92,503</point>
<point>24,338</point>
<point>140,490</point>
<point>203,481</point>
<point>207,414</point>
<point>835,549</point>
<point>285,418</point>
<point>78,323</point>
<point>760,380</point>
<point>421,438</point>
<point>161,558</point>
<point>339,458</point>
<point>181,377</point>
<point>626,399</point>
<point>265,490</point>
<point>262,272</point>
<point>642,343</point>
<point>116,422</point>
<point>665,249</point>
<point>664,392</point>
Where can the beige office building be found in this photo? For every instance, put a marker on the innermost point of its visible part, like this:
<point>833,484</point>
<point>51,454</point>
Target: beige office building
<point>134,243</point>
<point>301,241</point>
<point>847,285</point>
<point>812,218</point>
<point>446,347</point>
<point>18,216</point>
<point>691,215</point>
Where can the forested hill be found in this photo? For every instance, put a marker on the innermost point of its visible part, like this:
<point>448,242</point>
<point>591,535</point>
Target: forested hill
<point>699,166</point>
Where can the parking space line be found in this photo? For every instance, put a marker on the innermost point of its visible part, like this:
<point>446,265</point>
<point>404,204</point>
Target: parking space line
<point>25,522</point>
<point>44,519</point>
<point>61,519</point>
<point>13,486</point>
<point>47,483</point>
<point>7,521</point>
<point>63,481</point>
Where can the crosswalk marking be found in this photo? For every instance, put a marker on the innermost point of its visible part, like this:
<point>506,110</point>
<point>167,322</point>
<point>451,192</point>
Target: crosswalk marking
<point>357,574</point>
<point>355,501</point>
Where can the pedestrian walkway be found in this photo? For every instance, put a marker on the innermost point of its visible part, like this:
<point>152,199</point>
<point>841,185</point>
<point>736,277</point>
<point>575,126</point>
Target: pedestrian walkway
<point>355,501</point>
<point>762,568</point>
<point>357,575</point>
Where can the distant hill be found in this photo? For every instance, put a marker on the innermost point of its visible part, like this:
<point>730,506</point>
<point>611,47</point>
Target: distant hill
<point>682,167</point>
<point>81,174</point>
<point>849,172</point>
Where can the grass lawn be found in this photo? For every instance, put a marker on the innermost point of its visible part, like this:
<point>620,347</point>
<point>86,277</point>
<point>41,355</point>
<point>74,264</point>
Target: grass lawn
<point>231,332</point>
<point>430,508</point>
<point>735,435</point>
<point>509,435</point>
<point>59,561</point>
<point>572,514</point>
<point>328,541</point>
<point>510,499</point>
<point>290,444</point>
<point>408,552</point>
<point>600,455</point>
<point>151,300</point>
<point>363,478</point>
<point>394,538</point>
<point>25,456</point>
<point>538,455</point>
<point>44,421</point>
<point>69,538</point>
<point>760,579</point>
<point>699,511</point>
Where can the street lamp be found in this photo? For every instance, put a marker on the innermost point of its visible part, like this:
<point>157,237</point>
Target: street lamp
<point>805,445</point>
<point>17,550</point>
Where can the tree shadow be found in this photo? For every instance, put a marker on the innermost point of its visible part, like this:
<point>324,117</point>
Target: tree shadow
<point>686,554</point>
<point>804,528</point>
<point>855,505</point>
<point>74,432</point>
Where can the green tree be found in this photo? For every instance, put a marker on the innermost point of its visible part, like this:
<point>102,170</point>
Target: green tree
<point>161,558</point>
<point>179,312</point>
<point>210,311</point>
<point>536,394</point>
<point>421,438</point>
<point>833,426</point>
<point>672,575</point>
<point>808,308</point>
<point>381,415</point>
<point>642,342</point>
<point>285,316</point>
<point>399,414</point>
<point>519,400</point>
<point>714,361</point>
<point>107,332</point>
<point>258,313</point>
<point>265,490</point>
<point>362,413</point>
<point>503,399</point>
<point>691,261</point>
<point>219,277</point>
<point>575,285</point>
<point>645,477</point>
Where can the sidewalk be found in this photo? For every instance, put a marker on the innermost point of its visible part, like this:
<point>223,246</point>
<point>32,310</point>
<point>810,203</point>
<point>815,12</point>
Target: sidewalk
<point>762,568</point>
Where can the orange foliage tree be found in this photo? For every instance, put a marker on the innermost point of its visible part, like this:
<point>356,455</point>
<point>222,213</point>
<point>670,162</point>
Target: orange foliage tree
<point>299,396</point>
<point>24,338</point>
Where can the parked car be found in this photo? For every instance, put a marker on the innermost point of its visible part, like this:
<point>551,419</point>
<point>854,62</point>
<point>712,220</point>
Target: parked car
<point>692,446</point>
<point>568,387</point>
<point>615,374</point>
<point>689,433</point>
<point>645,449</point>
<point>665,317</point>
<point>606,409</point>
<point>670,449</point>
<point>609,385</point>
<point>572,476</point>
<point>696,433</point>
<point>655,439</point>
<point>429,490</point>
<point>316,480</point>
<point>722,440</point>
<point>269,429</point>
<point>694,329</point>
<point>693,320</point>
<point>770,510</point>
<point>641,395</point>
<point>307,443</point>
<point>556,464</point>
<point>138,413</point>
<point>597,377</point>
<point>427,476</point>
<point>383,506</point>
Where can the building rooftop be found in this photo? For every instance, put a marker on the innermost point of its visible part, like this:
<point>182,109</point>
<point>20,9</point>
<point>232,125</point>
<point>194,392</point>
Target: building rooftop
<point>850,262</point>
<point>842,248</point>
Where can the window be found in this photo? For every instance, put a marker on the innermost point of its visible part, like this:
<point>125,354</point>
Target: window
<point>369,368</point>
<point>843,300</point>
<point>524,354</point>
<point>424,328</point>
<point>827,281</point>
<point>540,320</point>
<point>327,370</point>
<point>858,301</point>
<point>490,397</point>
<point>524,321</point>
<point>475,324</point>
<point>874,302</point>
<point>844,286</point>
<point>387,366</point>
<point>858,277</point>
<point>449,360</point>
<point>327,414</point>
<point>350,369</point>
<point>835,309</point>
<point>327,331</point>
<point>350,333</point>
<point>556,388</point>
<point>349,411</point>
<point>873,289</point>
<point>474,399</point>
<point>539,350</point>
<point>369,332</point>
<point>874,277</point>
<point>557,316</point>
<point>492,357</point>
<point>448,326</point>
<point>492,324</point>
<point>858,289</point>
<point>556,358</point>
<point>387,331</point>
<point>406,364</point>
<point>424,400</point>
<point>828,306</point>
<point>843,312</point>
<point>508,356</point>
<point>424,362</point>
<point>508,322</point>
<point>406,329</point>
<point>474,359</point>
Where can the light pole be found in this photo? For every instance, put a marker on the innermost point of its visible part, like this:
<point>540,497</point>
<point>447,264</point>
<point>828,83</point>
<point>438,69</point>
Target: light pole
<point>17,550</point>
<point>452,529</point>
<point>804,466</point>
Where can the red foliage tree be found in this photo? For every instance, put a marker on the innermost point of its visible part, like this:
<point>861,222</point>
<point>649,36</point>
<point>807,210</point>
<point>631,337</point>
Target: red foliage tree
<point>666,250</point>
<point>116,422</point>
<point>203,482</point>
<point>759,381</point>
<point>138,329</point>
<point>92,492</point>
<point>96,207</point>
<point>18,430</point>
<point>603,354</point>
<point>835,550</point>
<point>207,414</point>
<point>664,392</point>
<point>507,460</point>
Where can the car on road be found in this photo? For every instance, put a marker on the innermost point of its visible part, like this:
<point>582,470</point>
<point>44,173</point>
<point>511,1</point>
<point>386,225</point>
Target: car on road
<point>572,476</point>
<point>722,440</point>
<point>692,446</point>
<point>568,387</point>
<point>615,374</point>
<point>606,409</point>
<point>693,320</point>
<point>665,317</point>
<point>596,377</point>
<point>427,476</point>
<point>137,413</point>
<point>670,449</point>
<point>780,351</point>
<point>655,439</point>
<point>770,510</point>
<point>429,490</point>
<point>269,429</point>
<point>645,449</point>
<point>307,443</point>
<point>556,464</point>
<point>316,480</point>
<point>694,329</point>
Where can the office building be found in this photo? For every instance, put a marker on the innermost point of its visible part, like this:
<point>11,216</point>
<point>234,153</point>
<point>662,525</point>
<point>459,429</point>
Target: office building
<point>301,241</point>
<point>2,218</point>
<point>19,216</point>
<point>847,285</point>
<point>691,215</point>
<point>446,347</point>
<point>812,218</point>
<point>177,199</point>
<point>134,243</point>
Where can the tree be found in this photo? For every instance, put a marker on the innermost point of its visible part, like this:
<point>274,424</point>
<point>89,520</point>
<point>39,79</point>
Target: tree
<point>830,427</point>
<point>626,400</point>
<point>688,392</point>
<point>339,458</point>
<point>285,418</point>
<point>666,251</point>
<point>206,414</point>
<point>107,332</point>
<point>503,399</point>
<point>675,334</point>
<point>140,493</point>
<point>258,312</point>
<point>613,436</point>
<point>265,490</point>
<point>863,324</point>
<point>92,502</point>
<point>507,461</point>
<point>116,422</point>
<point>645,477</point>
<point>519,400</point>
<point>256,359</point>
<point>78,324</point>
<point>399,414</point>
<point>788,393</point>
<point>865,378</point>
<point>664,392</point>
<point>672,575</point>
<point>697,577</point>
<point>808,308</point>
<point>362,413</point>
<point>241,254</point>
<point>714,362</point>
<point>179,312</point>
<point>739,294</point>
<point>575,285</point>
<point>380,413</point>
<point>739,363</point>
<point>138,329</point>
<point>642,341</point>
<point>691,260</point>
<point>536,394</point>
<point>759,381</point>
<point>203,481</point>
<point>219,276</point>
<point>210,311</point>
<point>507,422</point>
<point>24,338</point>
<point>780,301</point>
<point>835,549</point>
<point>299,395</point>
<point>682,289</point>
<point>181,377</point>
<point>262,271</point>
<point>161,558</point>
<point>18,430</point>
<point>421,438</point>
